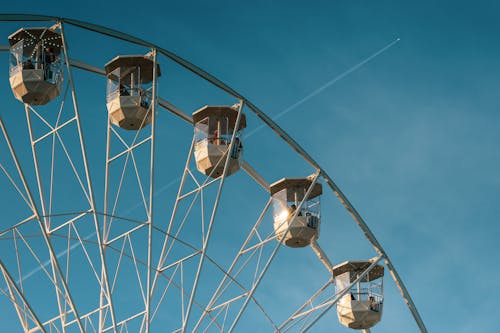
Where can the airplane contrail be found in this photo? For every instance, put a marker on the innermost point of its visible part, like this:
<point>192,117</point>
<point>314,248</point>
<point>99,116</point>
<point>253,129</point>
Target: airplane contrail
<point>327,84</point>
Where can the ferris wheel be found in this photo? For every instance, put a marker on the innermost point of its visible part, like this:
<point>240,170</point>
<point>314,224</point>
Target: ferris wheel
<point>148,211</point>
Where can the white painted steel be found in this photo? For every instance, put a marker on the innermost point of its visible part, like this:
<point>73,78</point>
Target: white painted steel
<point>213,310</point>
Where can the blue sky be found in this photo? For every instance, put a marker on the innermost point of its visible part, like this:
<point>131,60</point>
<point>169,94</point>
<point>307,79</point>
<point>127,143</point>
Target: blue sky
<point>411,137</point>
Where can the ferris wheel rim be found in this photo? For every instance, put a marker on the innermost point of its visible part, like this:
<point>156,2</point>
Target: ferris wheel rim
<point>263,116</point>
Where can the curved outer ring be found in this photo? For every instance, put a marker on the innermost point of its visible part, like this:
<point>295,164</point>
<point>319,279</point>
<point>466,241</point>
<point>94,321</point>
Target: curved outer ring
<point>266,119</point>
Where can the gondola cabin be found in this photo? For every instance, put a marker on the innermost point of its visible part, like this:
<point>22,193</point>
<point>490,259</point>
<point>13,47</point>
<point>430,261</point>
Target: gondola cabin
<point>361,307</point>
<point>35,71</point>
<point>129,91</point>
<point>214,127</point>
<point>297,226</point>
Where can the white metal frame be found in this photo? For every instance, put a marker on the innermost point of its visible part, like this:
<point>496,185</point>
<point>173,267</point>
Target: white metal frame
<point>215,313</point>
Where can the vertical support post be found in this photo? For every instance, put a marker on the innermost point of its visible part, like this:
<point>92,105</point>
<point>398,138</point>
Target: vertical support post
<point>105,287</point>
<point>45,227</point>
<point>214,212</point>
<point>154,104</point>
<point>105,219</point>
